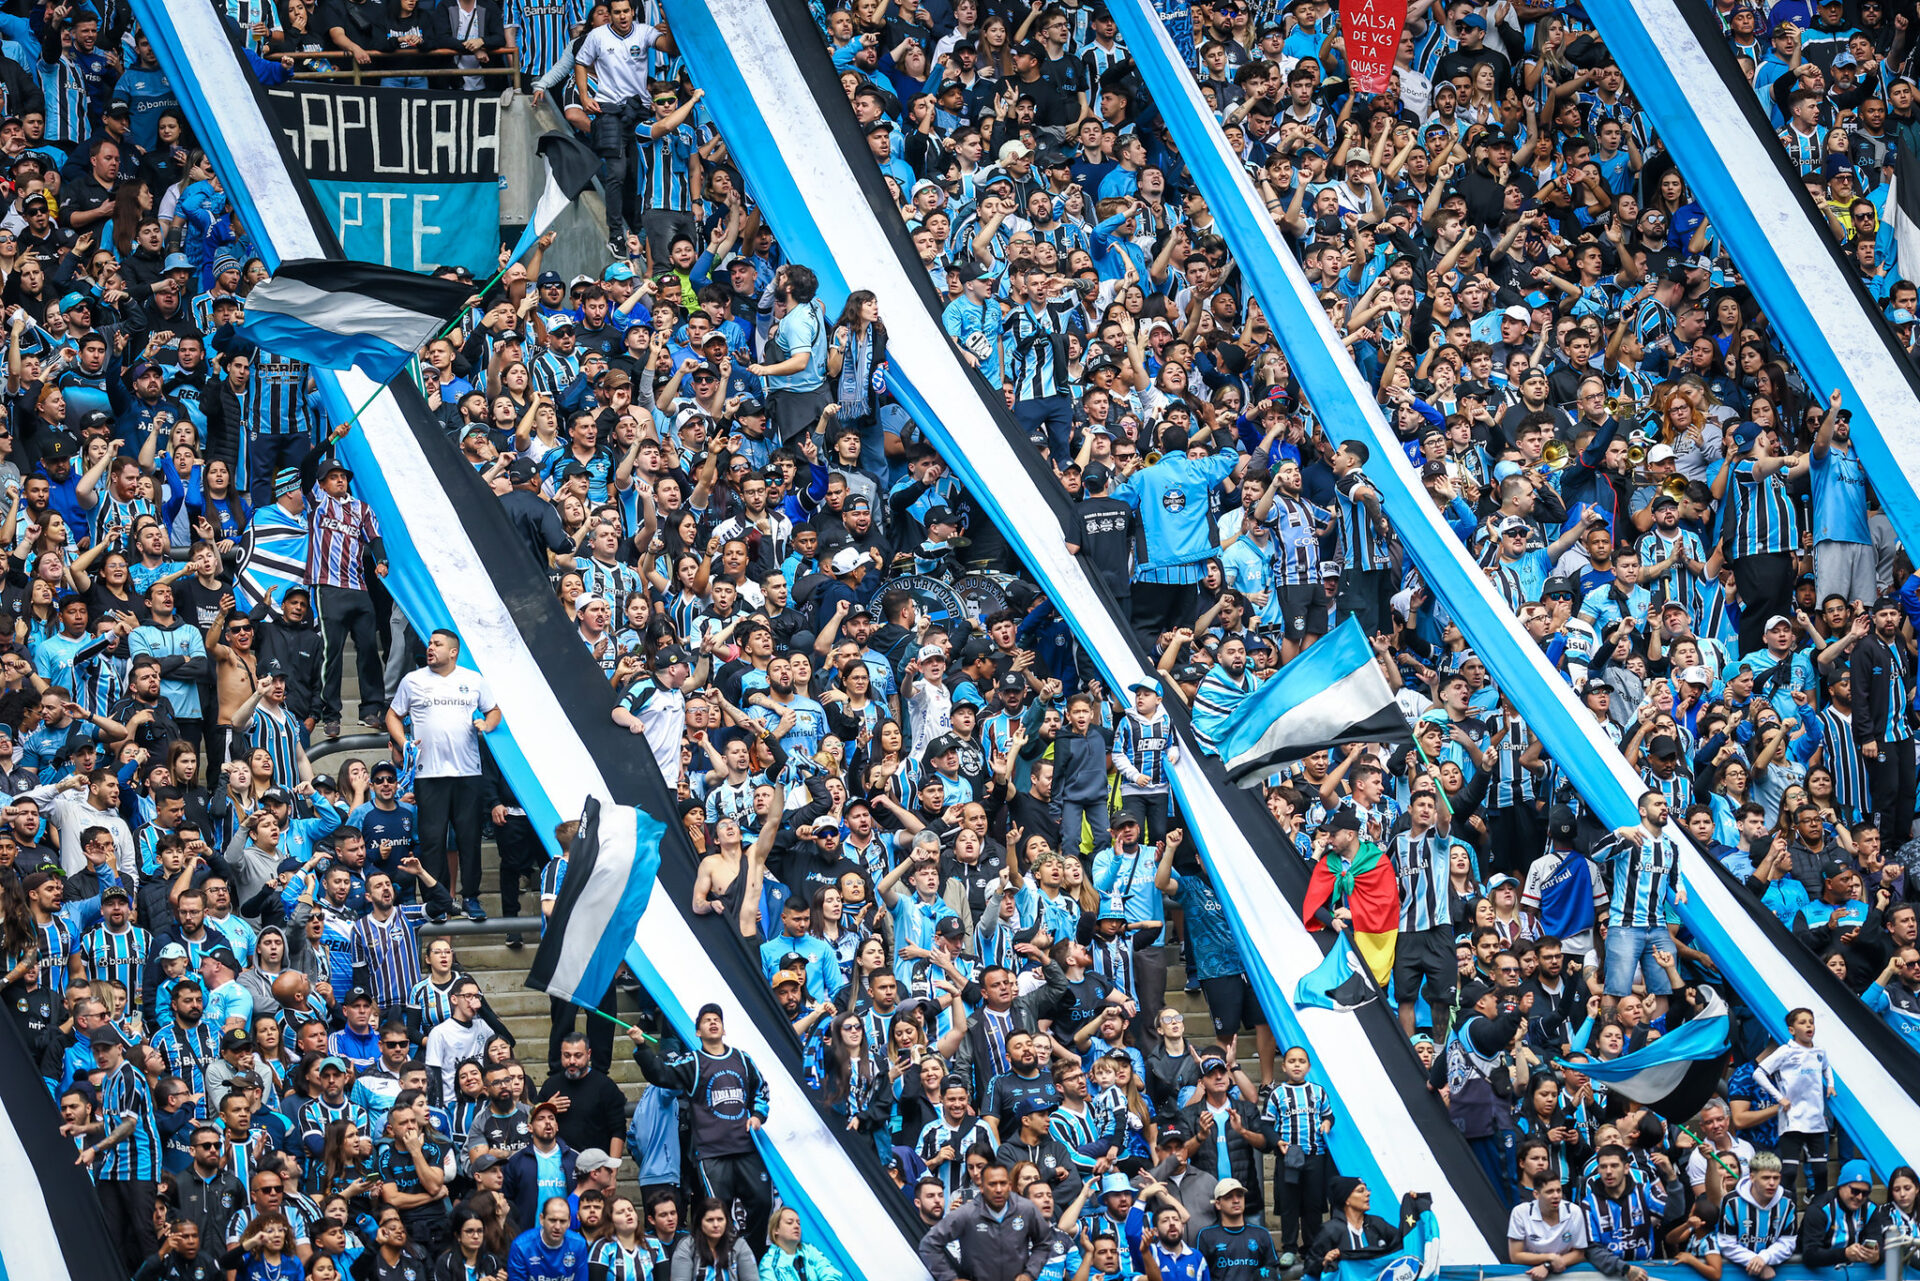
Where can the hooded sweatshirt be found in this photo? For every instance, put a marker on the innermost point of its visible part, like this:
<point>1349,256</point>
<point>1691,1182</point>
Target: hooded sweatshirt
<point>1754,1229</point>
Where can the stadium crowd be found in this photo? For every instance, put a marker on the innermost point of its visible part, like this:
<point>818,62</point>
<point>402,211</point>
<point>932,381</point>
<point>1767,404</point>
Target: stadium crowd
<point>953,851</point>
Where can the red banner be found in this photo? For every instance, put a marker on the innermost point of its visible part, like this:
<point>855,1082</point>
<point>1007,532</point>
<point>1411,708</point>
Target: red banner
<point>1372,29</point>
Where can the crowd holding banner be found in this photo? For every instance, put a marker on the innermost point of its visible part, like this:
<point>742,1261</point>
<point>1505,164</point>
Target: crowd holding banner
<point>954,852</point>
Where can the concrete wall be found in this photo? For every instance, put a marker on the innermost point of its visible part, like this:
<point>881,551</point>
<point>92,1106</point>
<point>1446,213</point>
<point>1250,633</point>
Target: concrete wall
<point>580,246</point>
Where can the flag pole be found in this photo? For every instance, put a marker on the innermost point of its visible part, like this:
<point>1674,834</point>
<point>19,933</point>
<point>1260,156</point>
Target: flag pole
<point>624,1026</point>
<point>1706,1147</point>
<point>1438,790</point>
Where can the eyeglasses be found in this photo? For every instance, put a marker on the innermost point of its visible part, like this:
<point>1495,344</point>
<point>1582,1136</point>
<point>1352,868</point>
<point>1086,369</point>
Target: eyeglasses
<point>1506,969</point>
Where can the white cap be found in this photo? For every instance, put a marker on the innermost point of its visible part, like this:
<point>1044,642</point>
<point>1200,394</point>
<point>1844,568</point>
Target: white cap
<point>931,651</point>
<point>1519,313</point>
<point>1013,151</point>
<point>1696,676</point>
<point>846,560</point>
<point>1660,453</point>
<point>1776,621</point>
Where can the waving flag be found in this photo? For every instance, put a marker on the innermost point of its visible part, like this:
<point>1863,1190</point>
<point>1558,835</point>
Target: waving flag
<point>1331,695</point>
<point>273,557</point>
<point>50,1223</point>
<point>351,315</point>
<point>1676,1074</point>
<point>569,165</point>
<point>611,866</point>
<point>1413,1253</point>
<point>1337,983</point>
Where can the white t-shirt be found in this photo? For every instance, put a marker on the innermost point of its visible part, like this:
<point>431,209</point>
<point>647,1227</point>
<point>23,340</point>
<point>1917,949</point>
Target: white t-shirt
<point>619,66</point>
<point>442,710</point>
<point>1740,1158</point>
<point>1537,1236</point>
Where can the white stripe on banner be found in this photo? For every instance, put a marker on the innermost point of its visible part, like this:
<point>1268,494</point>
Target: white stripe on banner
<point>409,497</point>
<point>824,219</point>
<point>342,313</point>
<point>1873,1106</point>
<point>1781,254</point>
<point>28,1246</point>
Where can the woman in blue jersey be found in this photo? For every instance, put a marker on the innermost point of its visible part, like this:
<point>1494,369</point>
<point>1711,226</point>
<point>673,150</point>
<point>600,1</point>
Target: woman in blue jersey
<point>619,1253</point>
<point>265,1252</point>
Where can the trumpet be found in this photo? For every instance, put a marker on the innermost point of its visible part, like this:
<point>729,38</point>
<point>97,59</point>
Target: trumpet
<point>1636,455</point>
<point>1556,455</point>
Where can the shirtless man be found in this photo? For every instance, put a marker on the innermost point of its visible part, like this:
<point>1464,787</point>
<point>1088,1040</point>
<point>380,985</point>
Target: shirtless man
<point>236,673</point>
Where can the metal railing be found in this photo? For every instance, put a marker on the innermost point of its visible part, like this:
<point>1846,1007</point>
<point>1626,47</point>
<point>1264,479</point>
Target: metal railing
<point>506,65</point>
<point>461,927</point>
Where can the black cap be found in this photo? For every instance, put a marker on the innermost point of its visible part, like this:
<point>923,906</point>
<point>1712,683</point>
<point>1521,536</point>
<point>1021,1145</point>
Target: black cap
<point>950,928</point>
<point>1127,815</point>
<point>1663,745</point>
<point>1471,994</point>
<point>1343,820</point>
<point>1832,867</point>
<point>356,994</point>
<point>235,1038</point>
<point>1561,823</point>
<point>224,955</point>
<point>669,656</point>
<point>522,470</point>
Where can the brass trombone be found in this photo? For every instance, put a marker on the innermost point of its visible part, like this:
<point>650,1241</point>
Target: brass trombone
<point>1556,455</point>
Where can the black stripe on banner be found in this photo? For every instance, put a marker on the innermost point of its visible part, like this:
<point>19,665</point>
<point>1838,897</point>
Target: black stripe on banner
<point>429,296</point>
<point>1706,29</point>
<point>632,778</point>
<point>1282,864</point>
<point>1881,1041</point>
<point>72,1205</point>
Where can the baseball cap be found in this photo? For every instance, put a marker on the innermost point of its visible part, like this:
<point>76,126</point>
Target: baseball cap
<point>235,1038</point>
<point>1778,620</point>
<point>1660,453</point>
<point>356,995</point>
<point>176,262</point>
<point>928,652</point>
<point>1212,1063</point>
<point>224,955</point>
<point>1515,525</point>
<point>1663,745</point>
<point>522,470</point>
<point>1226,1188</point>
<point>595,1159</point>
<point>1343,820</point>
<point>784,977</point>
<point>669,656</point>
<point>488,1160</point>
<point>333,1061</point>
<point>1561,823</point>
<point>1519,313</point>
<point>551,278</point>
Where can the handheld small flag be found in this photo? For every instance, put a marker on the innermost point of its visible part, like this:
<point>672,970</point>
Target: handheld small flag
<point>611,867</point>
<point>350,315</point>
<point>1338,983</point>
<point>1676,1074</point>
<point>570,166</point>
<point>1331,695</point>
<point>273,557</point>
<point>50,1221</point>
